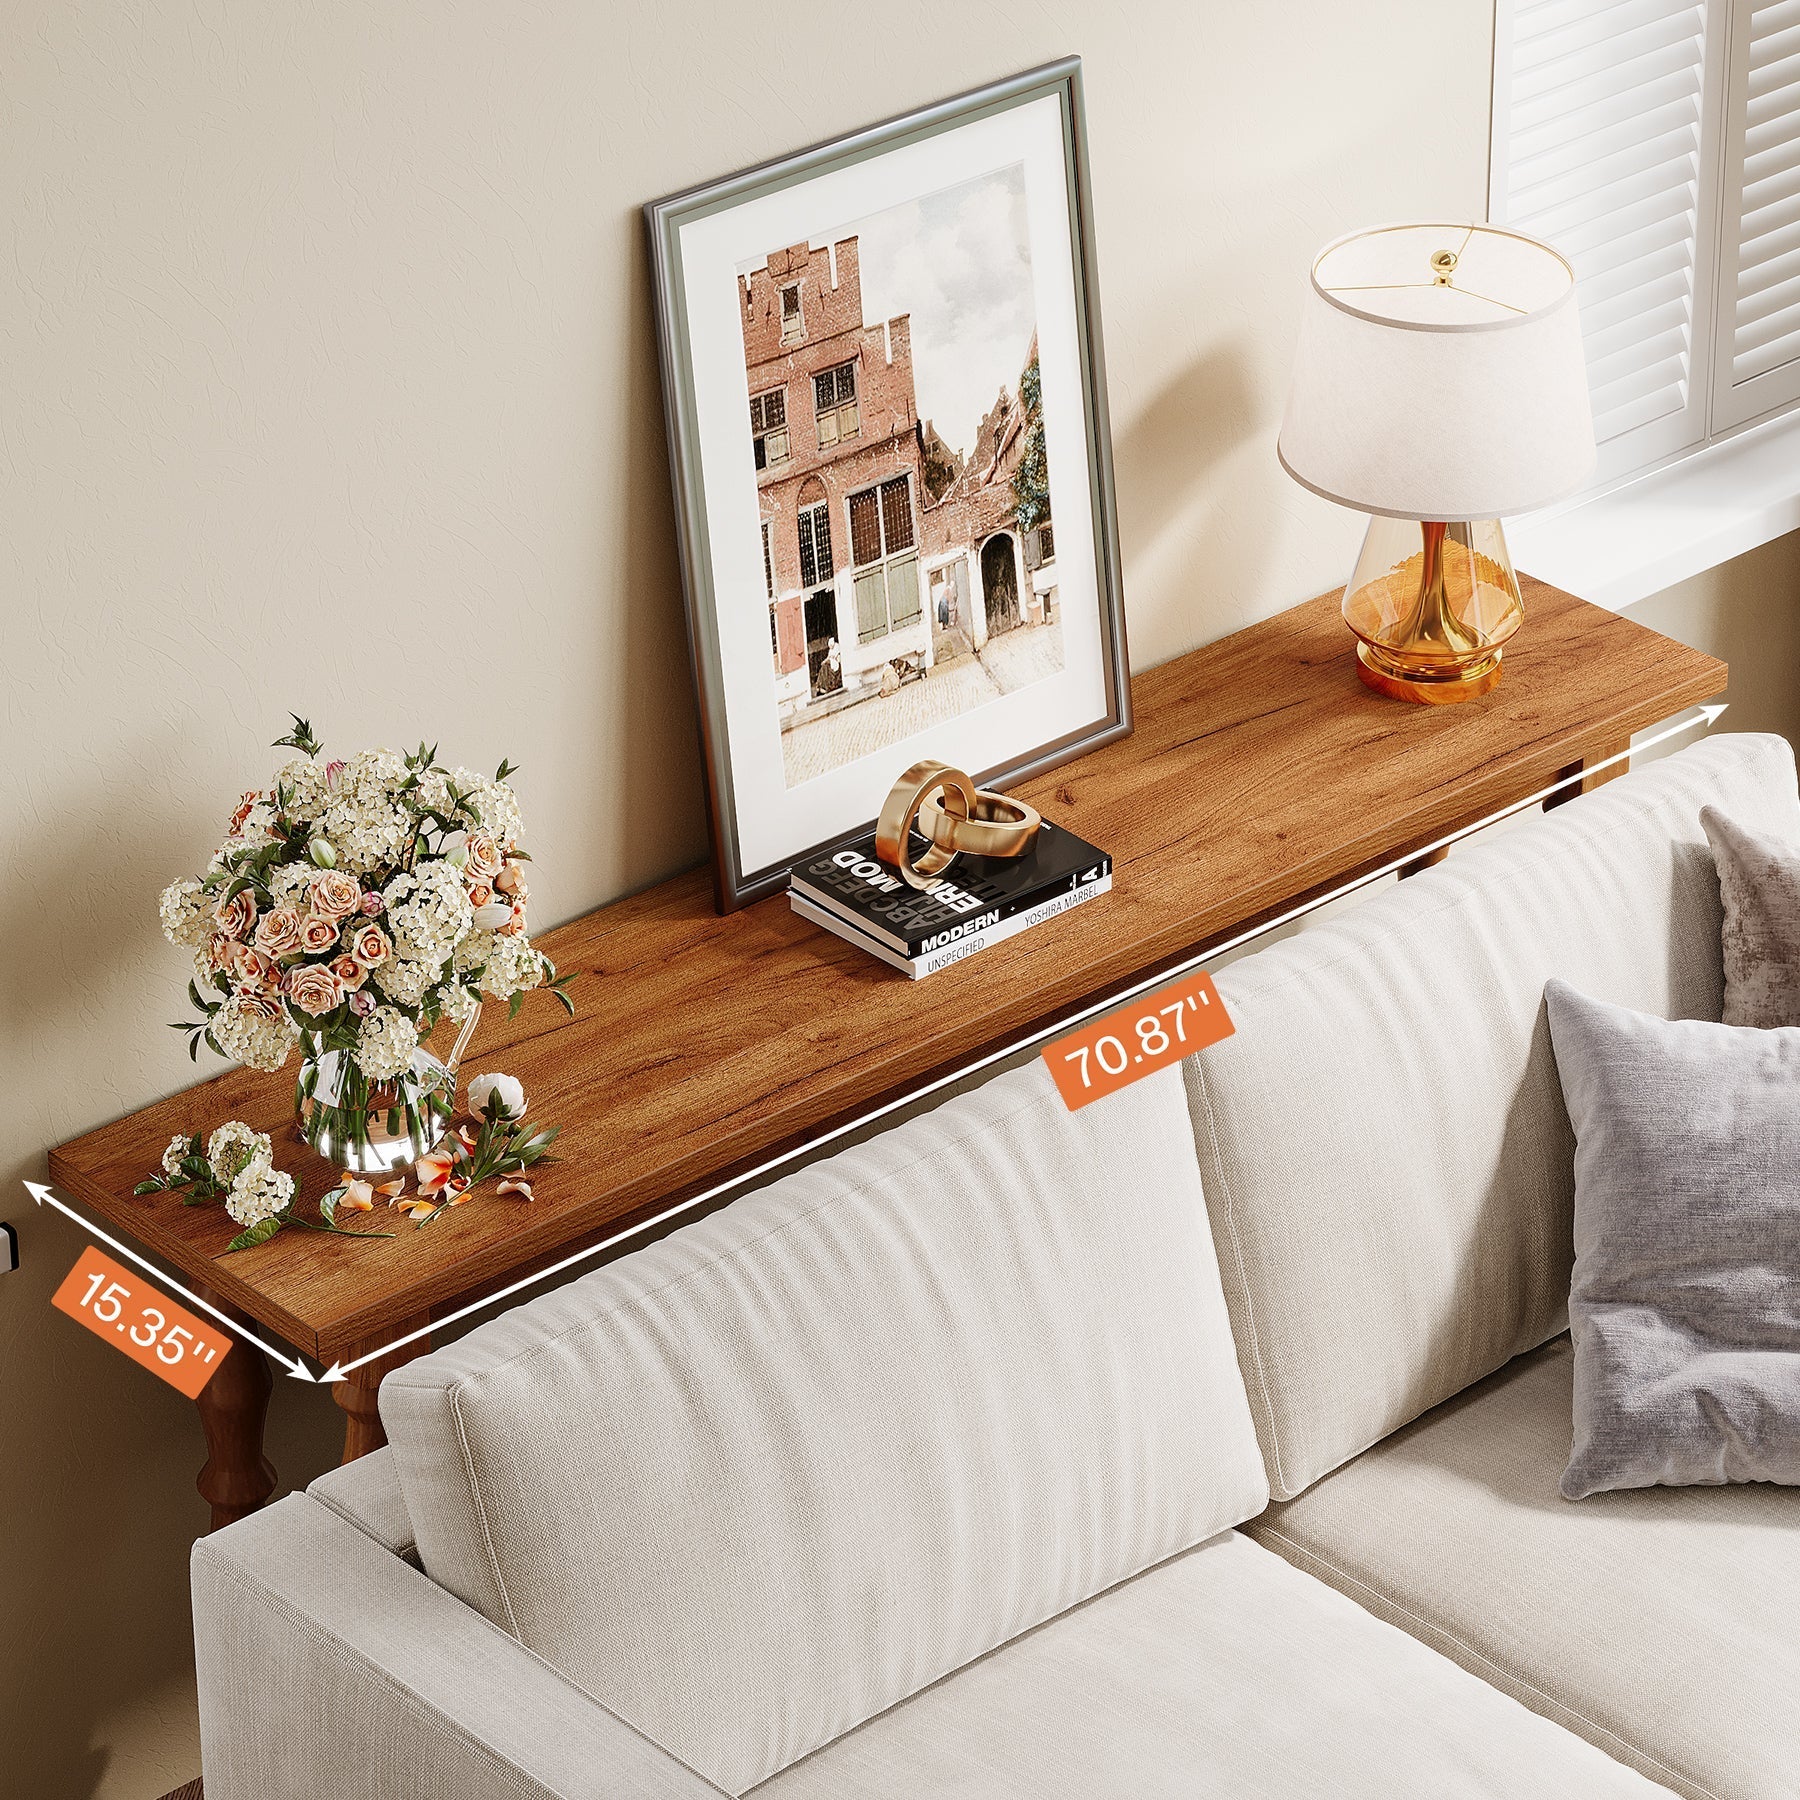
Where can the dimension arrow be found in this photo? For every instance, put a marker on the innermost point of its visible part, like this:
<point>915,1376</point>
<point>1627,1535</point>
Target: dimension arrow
<point>1707,715</point>
<point>294,1366</point>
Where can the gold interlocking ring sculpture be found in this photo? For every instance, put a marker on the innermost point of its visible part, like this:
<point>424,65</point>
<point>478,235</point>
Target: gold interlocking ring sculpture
<point>923,780</point>
<point>996,826</point>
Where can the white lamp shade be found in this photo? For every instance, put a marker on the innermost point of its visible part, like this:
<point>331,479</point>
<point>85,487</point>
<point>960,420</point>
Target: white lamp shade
<point>1422,400</point>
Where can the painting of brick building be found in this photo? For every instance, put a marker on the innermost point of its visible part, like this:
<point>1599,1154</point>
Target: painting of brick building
<point>908,562</point>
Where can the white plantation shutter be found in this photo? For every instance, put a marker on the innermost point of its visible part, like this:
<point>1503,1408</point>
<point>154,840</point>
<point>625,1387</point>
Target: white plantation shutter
<point>1757,364</point>
<point>1606,133</point>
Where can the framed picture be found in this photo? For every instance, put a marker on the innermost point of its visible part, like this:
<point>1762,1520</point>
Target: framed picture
<point>893,478</point>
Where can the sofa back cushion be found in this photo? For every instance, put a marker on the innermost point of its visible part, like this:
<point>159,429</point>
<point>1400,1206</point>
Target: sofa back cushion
<point>1387,1157</point>
<point>760,1481</point>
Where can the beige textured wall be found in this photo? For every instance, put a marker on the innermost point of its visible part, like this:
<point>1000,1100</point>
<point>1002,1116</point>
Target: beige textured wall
<point>1747,612</point>
<point>327,382</point>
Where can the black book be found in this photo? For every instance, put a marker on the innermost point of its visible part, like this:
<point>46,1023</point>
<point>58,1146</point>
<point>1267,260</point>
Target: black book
<point>973,895</point>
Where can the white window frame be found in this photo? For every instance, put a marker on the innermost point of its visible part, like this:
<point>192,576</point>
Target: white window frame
<point>1720,475</point>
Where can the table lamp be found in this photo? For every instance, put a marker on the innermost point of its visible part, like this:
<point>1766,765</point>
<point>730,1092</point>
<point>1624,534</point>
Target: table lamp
<point>1438,384</point>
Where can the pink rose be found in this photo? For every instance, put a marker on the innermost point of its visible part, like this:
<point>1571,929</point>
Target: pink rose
<point>370,946</point>
<point>484,855</point>
<point>511,879</point>
<point>256,1004</point>
<point>313,988</point>
<point>480,893</point>
<point>515,924</point>
<point>373,904</point>
<point>254,969</point>
<point>278,932</point>
<point>334,895</point>
<point>218,952</point>
<point>248,799</point>
<point>350,973</point>
<point>237,915</point>
<point>362,1003</point>
<point>318,934</point>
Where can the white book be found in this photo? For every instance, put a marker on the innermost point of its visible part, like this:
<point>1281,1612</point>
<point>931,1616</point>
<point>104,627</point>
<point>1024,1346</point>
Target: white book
<point>963,948</point>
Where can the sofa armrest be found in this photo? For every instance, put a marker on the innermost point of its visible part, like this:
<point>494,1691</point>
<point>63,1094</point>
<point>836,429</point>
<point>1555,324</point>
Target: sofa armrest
<point>328,1666</point>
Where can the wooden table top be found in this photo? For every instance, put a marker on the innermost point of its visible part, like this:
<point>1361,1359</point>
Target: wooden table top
<point>1261,773</point>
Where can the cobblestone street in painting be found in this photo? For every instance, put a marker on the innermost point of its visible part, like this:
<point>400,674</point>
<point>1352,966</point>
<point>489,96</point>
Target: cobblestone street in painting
<point>1010,661</point>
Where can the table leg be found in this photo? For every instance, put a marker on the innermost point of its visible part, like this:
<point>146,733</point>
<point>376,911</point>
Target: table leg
<point>356,1393</point>
<point>1599,778</point>
<point>233,1407</point>
<point>1429,860</point>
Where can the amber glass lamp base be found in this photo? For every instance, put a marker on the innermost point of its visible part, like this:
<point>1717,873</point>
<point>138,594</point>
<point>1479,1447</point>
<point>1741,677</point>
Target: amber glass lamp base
<point>1432,606</point>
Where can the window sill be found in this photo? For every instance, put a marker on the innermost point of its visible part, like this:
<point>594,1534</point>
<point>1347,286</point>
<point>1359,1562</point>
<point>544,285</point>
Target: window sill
<point>1619,547</point>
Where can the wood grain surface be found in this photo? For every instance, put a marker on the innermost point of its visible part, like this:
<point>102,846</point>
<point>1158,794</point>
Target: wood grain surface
<point>1261,773</point>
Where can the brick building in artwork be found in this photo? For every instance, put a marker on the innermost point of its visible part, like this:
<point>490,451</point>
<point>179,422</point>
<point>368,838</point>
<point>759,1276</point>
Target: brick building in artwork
<point>834,423</point>
<point>984,574</point>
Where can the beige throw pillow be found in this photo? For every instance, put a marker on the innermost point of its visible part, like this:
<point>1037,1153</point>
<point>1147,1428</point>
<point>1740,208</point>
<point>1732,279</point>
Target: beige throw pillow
<point>1759,885</point>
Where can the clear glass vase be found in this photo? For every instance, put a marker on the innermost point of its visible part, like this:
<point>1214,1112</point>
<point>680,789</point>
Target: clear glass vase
<point>372,1127</point>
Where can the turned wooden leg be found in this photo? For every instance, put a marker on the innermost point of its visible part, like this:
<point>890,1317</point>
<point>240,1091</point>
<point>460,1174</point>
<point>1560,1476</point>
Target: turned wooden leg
<point>356,1393</point>
<point>233,1406</point>
<point>1600,777</point>
<point>1429,860</point>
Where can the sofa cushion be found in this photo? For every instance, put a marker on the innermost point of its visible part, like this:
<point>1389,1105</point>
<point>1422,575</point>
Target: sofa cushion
<point>760,1481</point>
<point>1385,1148</point>
<point>1658,1623</point>
<point>1685,1304</point>
<point>366,1494</point>
<point>1224,1673</point>
<point>1759,887</point>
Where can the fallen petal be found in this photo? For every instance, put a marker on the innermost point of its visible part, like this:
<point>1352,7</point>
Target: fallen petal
<point>513,1185</point>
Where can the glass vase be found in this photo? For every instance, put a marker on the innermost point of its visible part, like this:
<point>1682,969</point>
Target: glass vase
<point>372,1127</point>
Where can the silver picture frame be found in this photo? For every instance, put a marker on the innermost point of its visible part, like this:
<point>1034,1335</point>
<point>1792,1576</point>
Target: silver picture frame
<point>736,884</point>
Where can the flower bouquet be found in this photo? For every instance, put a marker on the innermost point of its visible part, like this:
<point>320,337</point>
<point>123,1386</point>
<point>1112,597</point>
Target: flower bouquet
<point>352,906</point>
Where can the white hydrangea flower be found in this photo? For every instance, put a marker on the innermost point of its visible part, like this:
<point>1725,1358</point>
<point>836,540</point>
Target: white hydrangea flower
<point>428,912</point>
<point>234,1149</point>
<point>386,1043</point>
<point>186,912</point>
<point>509,965</point>
<point>254,1031</point>
<point>304,778</point>
<point>497,806</point>
<point>259,1192</point>
<point>256,829</point>
<point>288,884</point>
<point>171,1158</point>
<point>456,1002</point>
<point>403,980</point>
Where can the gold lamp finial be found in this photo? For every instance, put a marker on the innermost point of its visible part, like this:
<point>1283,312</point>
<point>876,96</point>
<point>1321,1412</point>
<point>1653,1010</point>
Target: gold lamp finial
<point>1443,266</point>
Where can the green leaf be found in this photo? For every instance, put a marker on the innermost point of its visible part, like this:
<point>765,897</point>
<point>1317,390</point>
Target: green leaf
<point>151,1185</point>
<point>259,1233</point>
<point>507,767</point>
<point>329,1204</point>
<point>513,1005</point>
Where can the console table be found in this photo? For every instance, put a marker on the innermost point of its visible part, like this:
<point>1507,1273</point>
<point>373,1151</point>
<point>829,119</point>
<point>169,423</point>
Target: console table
<point>1262,773</point>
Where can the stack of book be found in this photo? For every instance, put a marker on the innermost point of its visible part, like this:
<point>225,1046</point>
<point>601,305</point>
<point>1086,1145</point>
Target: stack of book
<point>981,900</point>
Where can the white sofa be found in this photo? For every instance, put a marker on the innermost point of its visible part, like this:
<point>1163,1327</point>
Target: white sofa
<point>1202,1442</point>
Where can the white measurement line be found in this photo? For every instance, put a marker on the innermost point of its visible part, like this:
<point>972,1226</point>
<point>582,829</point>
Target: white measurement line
<point>1707,715</point>
<point>294,1366</point>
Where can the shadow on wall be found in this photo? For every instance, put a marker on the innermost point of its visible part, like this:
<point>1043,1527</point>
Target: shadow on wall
<point>1747,612</point>
<point>1168,459</point>
<point>664,826</point>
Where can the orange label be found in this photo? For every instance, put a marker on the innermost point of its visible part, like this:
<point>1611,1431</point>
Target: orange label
<point>119,1305</point>
<point>1137,1040</point>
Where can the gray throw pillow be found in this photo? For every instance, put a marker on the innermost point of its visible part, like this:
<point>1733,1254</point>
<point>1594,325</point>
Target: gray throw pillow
<point>1759,887</point>
<point>1685,1304</point>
